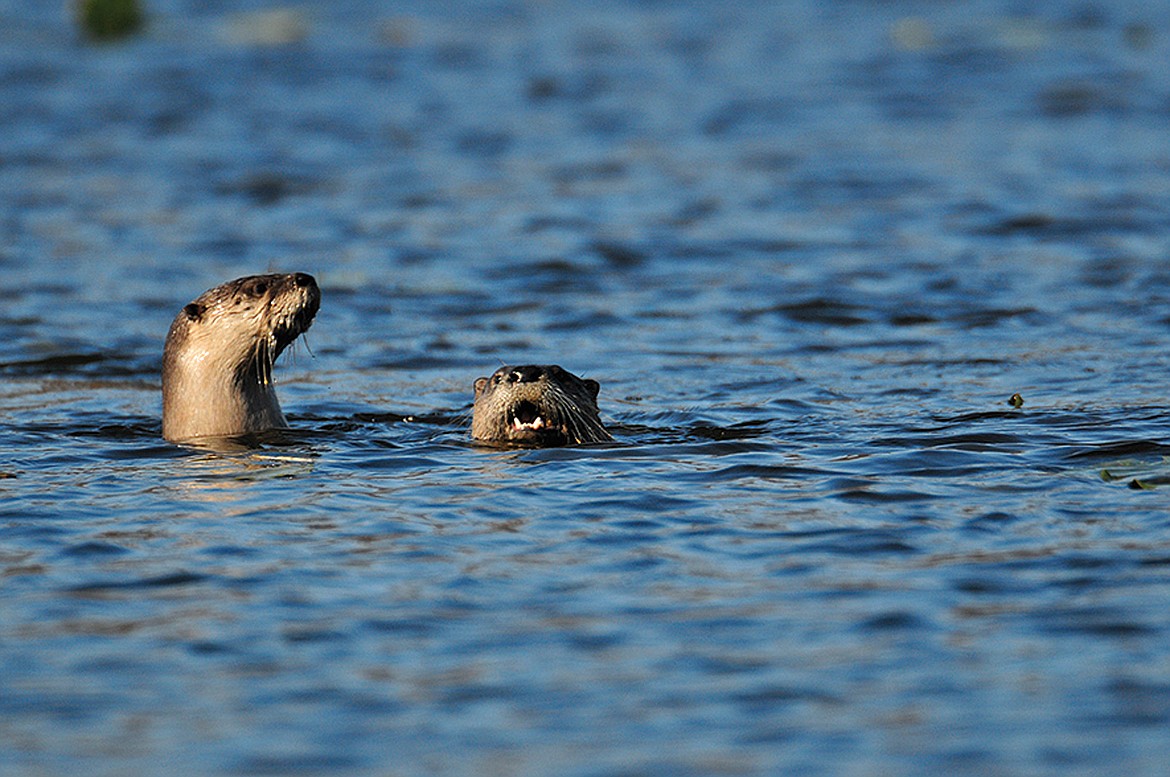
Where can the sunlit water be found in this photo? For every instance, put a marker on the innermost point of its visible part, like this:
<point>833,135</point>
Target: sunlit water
<point>809,254</point>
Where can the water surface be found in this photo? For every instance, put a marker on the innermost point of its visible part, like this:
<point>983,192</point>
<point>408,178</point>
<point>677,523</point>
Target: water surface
<point>809,253</point>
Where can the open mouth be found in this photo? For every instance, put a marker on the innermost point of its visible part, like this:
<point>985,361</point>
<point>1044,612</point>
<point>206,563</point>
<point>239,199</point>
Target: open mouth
<point>294,326</point>
<point>526,417</point>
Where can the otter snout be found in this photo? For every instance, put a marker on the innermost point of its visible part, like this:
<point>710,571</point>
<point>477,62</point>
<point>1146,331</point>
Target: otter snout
<point>536,405</point>
<point>529,373</point>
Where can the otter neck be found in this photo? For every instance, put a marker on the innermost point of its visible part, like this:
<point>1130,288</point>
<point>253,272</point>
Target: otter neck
<point>202,398</point>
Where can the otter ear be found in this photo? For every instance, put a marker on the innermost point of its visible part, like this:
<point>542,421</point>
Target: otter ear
<point>592,386</point>
<point>194,311</point>
<point>480,385</point>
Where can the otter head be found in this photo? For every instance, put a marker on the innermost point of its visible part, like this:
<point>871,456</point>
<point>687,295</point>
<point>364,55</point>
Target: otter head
<point>220,350</point>
<point>536,405</point>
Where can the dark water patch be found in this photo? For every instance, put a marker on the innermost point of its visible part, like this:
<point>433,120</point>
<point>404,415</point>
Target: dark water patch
<point>231,551</point>
<point>911,319</point>
<point>985,317</point>
<point>1092,621</point>
<point>993,521</point>
<point>550,276</point>
<point>421,200</point>
<point>418,361</point>
<point>975,442</point>
<point>484,306</point>
<point>823,311</point>
<point>982,415</point>
<point>106,436</point>
<point>652,503</point>
<point>1155,561</point>
<point>551,223</point>
<point>589,320</point>
<point>400,462</point>
<point>672,445</point>
<point>596,643</point>
<point>598,171</point>
<point>991,585</point>
<point>305,634</point>
<point>127,430</point>
<point>407,627</point>
<point>382,418</point>
<point>102,364</point>
<point>1118,216</point>
<point>1137,702</point>
<point>1118,450</point>
<point>771,697</point>
<point>618,254</point>
<point>761,472</point>
<point>173,580</point>
<point>743,115</point>
<point>208,648</point>
<point>745,430</point>
<point>872,494</point>
<point>609,124</point>
<point>926,81</point>
<point>484,143</point>
<point>764,247</point>
<point>269,187</point>
<point>898,620</point>
<point>307,763</point>
<point>95,549</point>
<point>235,247</point>
<point>1069,98</point>
<point>695,211</point>
<point>850,185</point>
<point>856,542</point>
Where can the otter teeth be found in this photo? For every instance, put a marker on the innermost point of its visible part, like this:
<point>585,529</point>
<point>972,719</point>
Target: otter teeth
<point>535,423</point>
<point>526,417</point>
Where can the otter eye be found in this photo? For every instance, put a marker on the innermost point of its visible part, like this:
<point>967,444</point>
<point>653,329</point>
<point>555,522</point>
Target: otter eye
<point>259,287</point>
<point>194,312</point>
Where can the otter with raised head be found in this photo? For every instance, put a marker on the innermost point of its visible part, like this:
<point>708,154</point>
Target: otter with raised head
<point>219,354</point>
<point>536,406</point>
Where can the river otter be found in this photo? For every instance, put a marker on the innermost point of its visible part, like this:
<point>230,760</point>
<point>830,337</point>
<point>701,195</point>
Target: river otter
<point>217,363</point>
<point>536,405</point>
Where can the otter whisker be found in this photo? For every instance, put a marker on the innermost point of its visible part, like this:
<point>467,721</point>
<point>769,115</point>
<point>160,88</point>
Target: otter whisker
<point>257,366</point>
<point>264,360</point>
<point>595,425</point>
<point>270,359</point>
<point>569,415</point>
<point>585,427</point>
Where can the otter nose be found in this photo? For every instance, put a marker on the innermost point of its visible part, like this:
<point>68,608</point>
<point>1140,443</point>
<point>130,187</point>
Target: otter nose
<point>304,279</point>
<point>527,374</point>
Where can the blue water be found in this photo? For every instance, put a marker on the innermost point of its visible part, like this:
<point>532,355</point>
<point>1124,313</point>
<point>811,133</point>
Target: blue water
<point>809,252</point>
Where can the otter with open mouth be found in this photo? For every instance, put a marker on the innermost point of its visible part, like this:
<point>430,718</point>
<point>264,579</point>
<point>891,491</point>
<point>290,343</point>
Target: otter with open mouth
<point>536,406</point>
<point>220,351</point>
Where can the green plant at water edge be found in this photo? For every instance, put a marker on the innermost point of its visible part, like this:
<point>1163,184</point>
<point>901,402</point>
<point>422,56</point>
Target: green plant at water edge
<point>109,19</point>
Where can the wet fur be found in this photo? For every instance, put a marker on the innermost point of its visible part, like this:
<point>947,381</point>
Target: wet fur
<point>536,406</point>
<point>220,350</point>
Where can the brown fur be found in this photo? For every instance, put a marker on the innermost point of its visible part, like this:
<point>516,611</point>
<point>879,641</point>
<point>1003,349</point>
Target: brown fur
<point>536,406</point>
<point>220,350</point>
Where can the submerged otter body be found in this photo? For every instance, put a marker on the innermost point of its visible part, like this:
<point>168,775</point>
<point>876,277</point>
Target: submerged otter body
<point>535,406</point>
<point>220,350</point>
